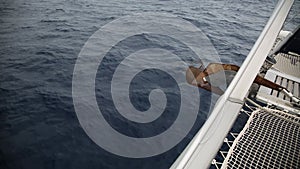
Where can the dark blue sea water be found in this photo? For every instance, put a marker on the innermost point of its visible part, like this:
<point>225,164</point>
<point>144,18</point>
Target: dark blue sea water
<point>39,44</point>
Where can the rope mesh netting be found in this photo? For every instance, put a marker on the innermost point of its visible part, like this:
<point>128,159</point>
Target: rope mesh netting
<point>270,139</point>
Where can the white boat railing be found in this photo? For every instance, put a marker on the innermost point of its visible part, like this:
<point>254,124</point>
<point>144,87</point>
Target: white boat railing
<point>204,146</point>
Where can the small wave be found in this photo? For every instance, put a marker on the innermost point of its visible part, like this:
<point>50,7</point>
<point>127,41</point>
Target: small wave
<point>60,9</point>
<point>62,30</point>
<point>52,20</point>
<point>108,18</point>
<point>44,53</point>
<point>26,27</point>
<point>7,9</point>
<point>48,36</point>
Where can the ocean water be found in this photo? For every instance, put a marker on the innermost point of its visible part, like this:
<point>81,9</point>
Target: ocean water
<point>39,44</point>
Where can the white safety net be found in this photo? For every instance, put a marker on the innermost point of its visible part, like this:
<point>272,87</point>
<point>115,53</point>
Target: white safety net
<point>270,139</point>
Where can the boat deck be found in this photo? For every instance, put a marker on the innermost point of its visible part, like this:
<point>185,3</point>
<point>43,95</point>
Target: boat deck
<point>271,135</point>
